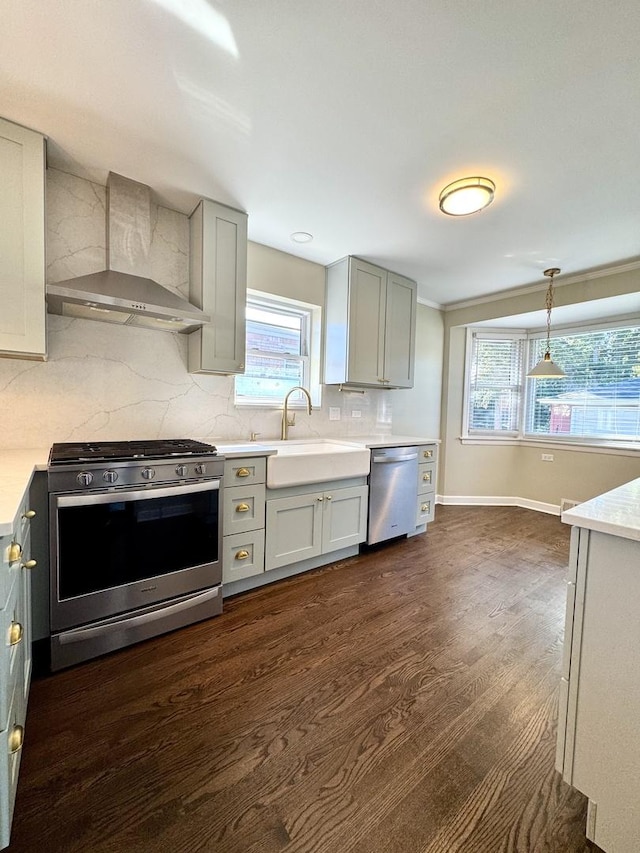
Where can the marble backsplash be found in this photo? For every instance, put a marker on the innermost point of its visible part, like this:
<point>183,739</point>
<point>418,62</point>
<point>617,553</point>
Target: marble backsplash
<point>103,381</point>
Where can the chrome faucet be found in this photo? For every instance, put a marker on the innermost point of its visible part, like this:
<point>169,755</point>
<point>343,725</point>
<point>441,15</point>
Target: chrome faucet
<point>291,421</point>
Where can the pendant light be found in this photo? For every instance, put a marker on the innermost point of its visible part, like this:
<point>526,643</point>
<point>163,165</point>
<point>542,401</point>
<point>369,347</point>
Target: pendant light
<point>546,368</point>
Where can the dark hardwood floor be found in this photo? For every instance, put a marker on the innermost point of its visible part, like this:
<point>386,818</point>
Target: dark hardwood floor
<point>402,701</point>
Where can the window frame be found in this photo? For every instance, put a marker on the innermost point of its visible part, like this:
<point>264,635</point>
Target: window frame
<point>625,446</point>
<point>311,316</point>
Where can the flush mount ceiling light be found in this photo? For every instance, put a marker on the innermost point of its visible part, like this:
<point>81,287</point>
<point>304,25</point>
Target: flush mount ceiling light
<point>468,195</point>
<point>546,368</point>
<point>301,237</point>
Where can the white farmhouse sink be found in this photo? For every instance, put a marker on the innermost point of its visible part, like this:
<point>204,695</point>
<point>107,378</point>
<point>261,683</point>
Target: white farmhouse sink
<point>297,463</point>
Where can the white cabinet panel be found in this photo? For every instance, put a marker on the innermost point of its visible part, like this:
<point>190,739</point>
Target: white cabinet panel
<point>344,520</point>
<point>22,267</point>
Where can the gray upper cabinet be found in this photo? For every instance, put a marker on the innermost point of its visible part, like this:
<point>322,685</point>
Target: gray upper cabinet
<point>22,266</point>
<point>218,285</point>
<point>370,326</point>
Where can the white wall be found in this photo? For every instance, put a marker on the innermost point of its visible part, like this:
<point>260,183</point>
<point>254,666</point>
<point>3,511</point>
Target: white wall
<point>103,381</point>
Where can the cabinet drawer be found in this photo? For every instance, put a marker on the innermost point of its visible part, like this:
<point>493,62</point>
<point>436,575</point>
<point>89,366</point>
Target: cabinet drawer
<point>12,638</point>
<point>243,509</point>
<point>428,453</point>
<point>245,471</point>
<point>426,507</point>
<point>10,754</point>
<point>242,555</point>
<point>426,477</point>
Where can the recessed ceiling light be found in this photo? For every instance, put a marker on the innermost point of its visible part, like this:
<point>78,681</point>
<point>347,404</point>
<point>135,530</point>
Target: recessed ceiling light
<point>301,237</point>
<point>468,195</point>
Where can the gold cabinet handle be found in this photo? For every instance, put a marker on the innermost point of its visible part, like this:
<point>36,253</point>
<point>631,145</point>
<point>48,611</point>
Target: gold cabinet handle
<point>16,739</point>
<point>243,508</point>
<point>425,507</point>
<point>243,472</point>
<point>15,633</point>
<point>427,454</point>
<point>30,513</point>
<point>242,555</point>
<point>320,499</point>
<point>15,552</point>
<point>329,497</point>
<point>30,564</point>
<point>427,477</point>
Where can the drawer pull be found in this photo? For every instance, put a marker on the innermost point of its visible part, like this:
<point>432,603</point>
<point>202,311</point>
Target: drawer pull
<point>243,508</point>
<point>427,454</point>
<point>16,739</point>
<point>425,507</point>
<point>242,555</point>
<point>243,472</point>
<point>15,552</point>
<point>15,633</point>
<point>427,477</point>
<point>30,564</point>
<point>30,513</point>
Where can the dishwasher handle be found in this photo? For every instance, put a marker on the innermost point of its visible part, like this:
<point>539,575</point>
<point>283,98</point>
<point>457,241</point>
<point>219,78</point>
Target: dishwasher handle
<point>407,457</point>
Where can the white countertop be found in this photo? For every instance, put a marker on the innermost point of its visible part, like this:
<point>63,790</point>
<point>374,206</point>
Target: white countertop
<point>389,440</point>
<point>616,512</point>
<point>16,468</point>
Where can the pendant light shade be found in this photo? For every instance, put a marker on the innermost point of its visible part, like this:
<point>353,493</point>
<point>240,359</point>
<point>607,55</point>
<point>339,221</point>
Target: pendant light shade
<point>546,368</point>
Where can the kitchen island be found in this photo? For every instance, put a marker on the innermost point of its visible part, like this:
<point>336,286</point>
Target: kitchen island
<point>598,732</point>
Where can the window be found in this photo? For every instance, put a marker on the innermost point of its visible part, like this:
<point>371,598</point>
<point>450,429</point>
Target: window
<point>598,400</point>
<point>282,351</point>
<point>495,383</point>
<point>599,397</point>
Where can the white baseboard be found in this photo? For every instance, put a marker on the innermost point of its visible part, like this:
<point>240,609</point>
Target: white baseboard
<point>492,500</point>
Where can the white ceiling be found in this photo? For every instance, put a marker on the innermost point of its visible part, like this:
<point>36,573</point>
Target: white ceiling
<point>345,119</point>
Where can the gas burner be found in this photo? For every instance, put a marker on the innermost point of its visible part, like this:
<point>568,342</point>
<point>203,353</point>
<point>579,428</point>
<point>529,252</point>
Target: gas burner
<point>73,452</point>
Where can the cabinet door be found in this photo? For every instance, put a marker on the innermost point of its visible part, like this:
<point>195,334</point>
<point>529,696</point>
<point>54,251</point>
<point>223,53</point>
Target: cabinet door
<point>218,285</point>
<point>367,293</point>
<point>22,272</point>
<point>294,529</point>
<point>400,331</point>
<point>344,521</point>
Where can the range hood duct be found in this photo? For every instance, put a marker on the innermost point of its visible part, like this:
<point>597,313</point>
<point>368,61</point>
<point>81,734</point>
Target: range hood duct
<point>124,293</point>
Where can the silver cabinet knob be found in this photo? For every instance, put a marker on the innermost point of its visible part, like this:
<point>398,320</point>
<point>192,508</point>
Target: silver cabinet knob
<point>110,476</point>
<point>148,473</point>
<point>181,470</point>
<point>85,478</point>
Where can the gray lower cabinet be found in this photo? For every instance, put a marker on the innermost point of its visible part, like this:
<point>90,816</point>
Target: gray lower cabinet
<point>598,749</point>
<point>304,526</point>
<point>426,487</point>
<point>243,507</point>
<point>16,565</point>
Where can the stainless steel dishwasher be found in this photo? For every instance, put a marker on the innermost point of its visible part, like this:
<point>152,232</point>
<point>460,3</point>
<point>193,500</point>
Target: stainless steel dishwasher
<point>393,485</point>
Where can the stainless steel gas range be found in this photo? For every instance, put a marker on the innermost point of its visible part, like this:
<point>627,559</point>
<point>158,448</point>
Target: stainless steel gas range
<point>136,533</point>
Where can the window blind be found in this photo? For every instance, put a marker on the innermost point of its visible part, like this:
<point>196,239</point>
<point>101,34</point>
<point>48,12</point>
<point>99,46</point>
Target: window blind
<point>600,395</point>
<point>495,388</point>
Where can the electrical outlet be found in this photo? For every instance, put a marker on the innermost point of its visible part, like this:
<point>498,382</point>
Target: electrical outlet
<point>334,413</point>
<point>547,457</point>
<point>356,413</point>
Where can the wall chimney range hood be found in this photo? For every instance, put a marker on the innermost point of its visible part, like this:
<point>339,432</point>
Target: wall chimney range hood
<point>124,293</point>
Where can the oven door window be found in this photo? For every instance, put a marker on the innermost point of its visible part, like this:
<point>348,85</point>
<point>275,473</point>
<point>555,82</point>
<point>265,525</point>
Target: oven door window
<point>122,539</point>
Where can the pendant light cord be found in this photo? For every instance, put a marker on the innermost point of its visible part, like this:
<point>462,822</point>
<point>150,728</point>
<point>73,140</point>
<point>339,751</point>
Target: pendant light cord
<point>549,305</point>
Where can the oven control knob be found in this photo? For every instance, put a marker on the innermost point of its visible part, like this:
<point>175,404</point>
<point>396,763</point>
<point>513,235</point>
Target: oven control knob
<point>85,478</point>
<point>110,476</point>
<point>148,473</point>
<point>181,470</point>
<point>201,468</point>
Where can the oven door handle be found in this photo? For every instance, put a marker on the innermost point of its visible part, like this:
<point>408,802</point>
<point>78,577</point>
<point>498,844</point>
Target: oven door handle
<point>135,495</point>
<point>76,635</point>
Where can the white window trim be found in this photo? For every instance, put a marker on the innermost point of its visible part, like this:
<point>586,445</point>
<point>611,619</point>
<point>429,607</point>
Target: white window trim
<point>311,360</point>
<point>585,445</point>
